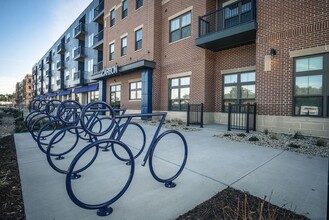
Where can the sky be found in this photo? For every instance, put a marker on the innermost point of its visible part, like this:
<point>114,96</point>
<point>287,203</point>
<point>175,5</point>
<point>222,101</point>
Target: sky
<point>28,29</point>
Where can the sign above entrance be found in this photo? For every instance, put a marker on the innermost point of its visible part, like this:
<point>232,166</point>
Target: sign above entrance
<point>109,71</point>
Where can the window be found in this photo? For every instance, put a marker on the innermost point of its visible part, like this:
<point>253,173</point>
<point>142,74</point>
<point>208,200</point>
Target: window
<point>111,50</point>
<point>179,93</point>
<point>311,87</point>
<point>139,3</point>
<point>124,9</point>
<point>68,38</point>
<point>239,88</point>
<point>237,13</point>
<point>180,27</point>
<point>94,96</point>
<point>112,18</point>
<point>115,95</point>
<point>135,90</point>
<point>123,46</point>
<point>138,39</point>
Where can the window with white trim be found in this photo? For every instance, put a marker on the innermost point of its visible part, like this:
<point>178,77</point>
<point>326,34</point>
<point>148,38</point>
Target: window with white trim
<point>124,46</point>
<point>135,92</point>
<point>138,39</point>
<point>179,93</point>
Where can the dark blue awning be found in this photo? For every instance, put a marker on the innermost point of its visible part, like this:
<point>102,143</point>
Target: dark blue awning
<point>88,88</point>
<point>65,92</point>
<point>52,94</point>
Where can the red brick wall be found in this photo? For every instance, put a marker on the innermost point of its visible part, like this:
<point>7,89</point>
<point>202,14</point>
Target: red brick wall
<point>237,57</point>
<point>285,26</point>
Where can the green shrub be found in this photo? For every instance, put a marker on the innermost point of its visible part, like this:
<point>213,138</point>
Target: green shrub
<point>241,134</point>
<point>227,135</point>
<point>266,131</point>
<point>298,135</point>
<point>274,137</point>
<point>293,145</point>
<point>253,138</point>
<point>321,142</point>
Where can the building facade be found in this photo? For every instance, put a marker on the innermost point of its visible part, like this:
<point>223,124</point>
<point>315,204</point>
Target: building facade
<point>161,55</point>
<point>65,71</point>
<point>23,91</point>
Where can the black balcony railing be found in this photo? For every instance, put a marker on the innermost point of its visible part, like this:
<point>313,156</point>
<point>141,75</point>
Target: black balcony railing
<point>79,53</point>
<point>60,65</point>
<point>232,15</point>
<point>79,77</point>
<point>48,72</point>
<point>58,82</point>
<point>232,26</point>
<point>61,48</point>
<point>98,67</point>
<point>98,11</point>
<point>48,59</point>
<point>67,77</point>
<point>79,31</point>
<point>98,40</point>
<point>40,66</point>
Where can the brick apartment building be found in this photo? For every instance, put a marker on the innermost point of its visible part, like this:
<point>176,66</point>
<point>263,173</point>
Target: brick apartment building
<point>23,91</point>
<point>161,55</point>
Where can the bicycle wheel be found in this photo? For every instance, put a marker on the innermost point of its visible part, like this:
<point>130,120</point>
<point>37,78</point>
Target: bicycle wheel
<point>168,157</point>
<point>134,137</point>
<point>60,156</point>
<point>86,192</point>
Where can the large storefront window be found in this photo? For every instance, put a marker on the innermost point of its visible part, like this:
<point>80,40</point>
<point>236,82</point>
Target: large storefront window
<point>179,93</point>
<point>115,95</point>
<point>239,88</point>
<point>135,90</point>
<point>311,86</point>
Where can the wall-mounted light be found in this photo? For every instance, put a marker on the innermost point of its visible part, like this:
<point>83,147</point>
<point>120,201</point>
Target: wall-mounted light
<point>272,52</point>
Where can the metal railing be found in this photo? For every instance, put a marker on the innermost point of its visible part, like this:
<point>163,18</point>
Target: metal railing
<point>242,117</point>
<point>81,28</point>
<point>60,65</point>
<point>48,59</point>
<point>230,16</point>
<point>60,47</point>
<point>97,67</point>
<point>195,114</point>
<point>98,9</point>
<point>77,75</point>
<point>79,52</point>
<point>98,37</point>
<point>58,82</point>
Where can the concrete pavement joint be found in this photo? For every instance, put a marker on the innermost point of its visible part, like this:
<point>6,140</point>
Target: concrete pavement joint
<point>266,162</point>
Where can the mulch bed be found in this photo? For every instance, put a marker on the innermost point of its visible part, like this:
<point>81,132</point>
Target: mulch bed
<point>12,206</point>
<point>234,204</point>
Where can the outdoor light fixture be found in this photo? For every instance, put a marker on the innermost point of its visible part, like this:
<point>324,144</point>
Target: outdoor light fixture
<point>272,52</point>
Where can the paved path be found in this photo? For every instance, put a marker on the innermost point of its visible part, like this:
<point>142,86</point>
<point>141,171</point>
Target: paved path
<point>296,181</point>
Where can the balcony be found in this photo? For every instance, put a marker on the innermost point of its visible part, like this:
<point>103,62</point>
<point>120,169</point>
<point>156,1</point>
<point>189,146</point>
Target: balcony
<point>79,77</point>
<point>80,31</point>
<point>61,48</point>
<point>99,13</point>
<point>67,77</point>
<point>79,54</point>
<point>41,66</point>
<point>97,67</point>
<point>48,73</point>
<point>231,26</point>
<point>60,65</point>
<point>98,41</point>
<point>48,59</point>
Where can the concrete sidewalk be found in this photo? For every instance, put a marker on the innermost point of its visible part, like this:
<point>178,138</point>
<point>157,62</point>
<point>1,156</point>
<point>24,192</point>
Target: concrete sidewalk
<point>296,181</point>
